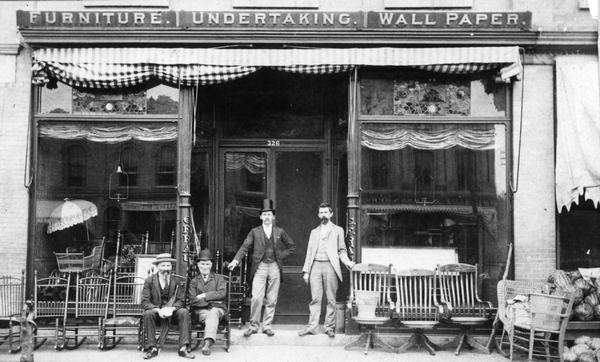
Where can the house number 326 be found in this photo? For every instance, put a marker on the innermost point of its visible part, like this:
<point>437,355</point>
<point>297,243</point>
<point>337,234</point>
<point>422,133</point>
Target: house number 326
<point>272,143</point>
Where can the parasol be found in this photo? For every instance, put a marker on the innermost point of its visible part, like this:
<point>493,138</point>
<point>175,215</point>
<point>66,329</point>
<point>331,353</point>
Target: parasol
<point>69,213</point>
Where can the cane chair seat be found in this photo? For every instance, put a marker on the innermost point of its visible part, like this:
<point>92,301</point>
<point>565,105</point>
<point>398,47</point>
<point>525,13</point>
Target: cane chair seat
<point>469,320</point>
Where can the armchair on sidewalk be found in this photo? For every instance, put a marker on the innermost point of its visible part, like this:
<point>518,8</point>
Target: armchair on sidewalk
<point>416,306</point>
<point>12,297</point>
<point>369,303</point>
<point>458,288</point>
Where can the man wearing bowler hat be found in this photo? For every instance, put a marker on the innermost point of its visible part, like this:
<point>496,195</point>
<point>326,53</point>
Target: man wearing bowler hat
<point>271,245</point>
<point>207,299</point>
<point>162,299</point>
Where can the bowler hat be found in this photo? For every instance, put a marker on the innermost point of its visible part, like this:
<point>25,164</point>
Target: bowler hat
<point>267,205</point>
<point>165,257</point>
<point>204,255</point>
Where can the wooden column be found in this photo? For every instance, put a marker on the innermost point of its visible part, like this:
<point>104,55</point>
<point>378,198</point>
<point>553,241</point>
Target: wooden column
<point>185,134</point>
<point>353,167</point>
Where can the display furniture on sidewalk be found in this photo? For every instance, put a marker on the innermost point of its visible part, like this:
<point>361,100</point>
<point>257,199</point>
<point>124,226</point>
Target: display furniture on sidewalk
<point>543,335</point>
<point>457,286</point>
<point>123,312</point>
<point>507,290</point>
<point>369,304</point>
<point>12,297</point>
<point>91,298</point>
<point>51,297</point>
<point>416,306</point>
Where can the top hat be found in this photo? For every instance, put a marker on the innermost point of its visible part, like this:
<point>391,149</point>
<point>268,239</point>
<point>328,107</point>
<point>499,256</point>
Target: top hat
<point>165,257</point>
<point>267,205</point>
<point>204,255</point>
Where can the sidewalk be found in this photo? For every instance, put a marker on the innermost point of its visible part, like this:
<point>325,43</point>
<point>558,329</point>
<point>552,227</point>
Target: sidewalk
<point>284,346</point>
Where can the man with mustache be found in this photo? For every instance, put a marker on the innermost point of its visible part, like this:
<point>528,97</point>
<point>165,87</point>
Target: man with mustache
<point>207,299</point>
<point>271,245</point>
<point>326,248</point>
<point>162,299</point>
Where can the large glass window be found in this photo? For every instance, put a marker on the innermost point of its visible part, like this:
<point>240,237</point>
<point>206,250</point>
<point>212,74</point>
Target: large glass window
<point>100,179</point>
<point>435,185</point>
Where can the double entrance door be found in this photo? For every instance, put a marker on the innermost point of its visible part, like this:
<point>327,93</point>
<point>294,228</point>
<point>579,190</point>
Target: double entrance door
<point>295,178</point>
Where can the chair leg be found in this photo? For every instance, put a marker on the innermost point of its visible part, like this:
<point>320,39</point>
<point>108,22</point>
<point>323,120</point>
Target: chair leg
<point>411,342</point>
<point>376,341</point>
<point>511,340</point>
<point>360,342</point>
<point>476,345</point>
<point>531,340</point>
<point>369,341</point>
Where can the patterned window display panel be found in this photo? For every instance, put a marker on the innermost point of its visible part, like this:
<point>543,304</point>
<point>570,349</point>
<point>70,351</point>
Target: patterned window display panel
<point>130,103</point>
<point>432,98</point>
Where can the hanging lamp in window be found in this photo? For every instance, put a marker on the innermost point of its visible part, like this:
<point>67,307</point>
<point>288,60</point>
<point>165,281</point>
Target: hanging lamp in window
<point>118,184</point>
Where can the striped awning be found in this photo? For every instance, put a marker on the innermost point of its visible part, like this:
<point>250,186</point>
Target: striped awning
<point>126,67</point>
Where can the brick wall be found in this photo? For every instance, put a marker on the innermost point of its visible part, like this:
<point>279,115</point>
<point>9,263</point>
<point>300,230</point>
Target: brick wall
<point>534,202</point>
<point>14,201</point>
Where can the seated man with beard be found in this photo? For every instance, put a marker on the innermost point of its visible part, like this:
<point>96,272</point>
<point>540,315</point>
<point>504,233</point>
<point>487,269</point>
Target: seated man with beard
<point>161,302</point>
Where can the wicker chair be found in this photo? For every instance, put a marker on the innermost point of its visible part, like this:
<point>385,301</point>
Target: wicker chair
<point>369,303</point>
<point>543,335</point>
<point>416,306</point>
<point>12,297</point>
<point>458,287</point>
<point>507,290</point>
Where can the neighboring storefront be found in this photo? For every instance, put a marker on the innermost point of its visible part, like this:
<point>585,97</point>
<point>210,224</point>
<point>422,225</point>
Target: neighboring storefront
<point>174,123</point>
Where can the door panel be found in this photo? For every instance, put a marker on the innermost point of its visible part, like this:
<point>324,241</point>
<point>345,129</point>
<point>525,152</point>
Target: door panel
<point>294,179</point>
<point>298,191</point>
<point>244,188</point>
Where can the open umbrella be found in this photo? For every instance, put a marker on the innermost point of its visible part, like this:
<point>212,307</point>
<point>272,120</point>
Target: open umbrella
<point>69,213</point>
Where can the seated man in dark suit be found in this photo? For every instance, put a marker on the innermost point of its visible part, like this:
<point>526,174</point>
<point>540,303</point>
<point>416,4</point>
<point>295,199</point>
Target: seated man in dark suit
<point>207,299</point>
<point>161,302</point>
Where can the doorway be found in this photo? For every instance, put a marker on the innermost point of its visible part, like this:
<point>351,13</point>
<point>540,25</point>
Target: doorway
<point>294,178</point>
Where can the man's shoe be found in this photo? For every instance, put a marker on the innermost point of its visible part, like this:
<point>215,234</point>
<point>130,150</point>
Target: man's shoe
<point>249,332</point>
<point>185,354</point>
<point>305,332</point>
<point>330,333</point>
<point>269,332</point>
<point>151,353</point>
<point>206,346</point>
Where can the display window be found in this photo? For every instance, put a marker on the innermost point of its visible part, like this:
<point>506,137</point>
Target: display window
<point>434,171</point>
<point>106,176</point>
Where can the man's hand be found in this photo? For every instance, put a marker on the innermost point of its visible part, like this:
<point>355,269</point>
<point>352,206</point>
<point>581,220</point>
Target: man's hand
<point>305,277</point>
<point>232,264</point>
<point>201,296</point>
<point>165,312</point>
<point>350,264</point>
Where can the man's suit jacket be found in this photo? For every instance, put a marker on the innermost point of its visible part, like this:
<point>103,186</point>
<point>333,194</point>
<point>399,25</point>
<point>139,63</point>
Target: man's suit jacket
<point>335,248</point>
<point>151,292</point>
<point>215,290</point>
<point>284,246</point>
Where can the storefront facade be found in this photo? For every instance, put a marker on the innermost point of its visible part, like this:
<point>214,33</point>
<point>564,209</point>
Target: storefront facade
<point>419,126</point>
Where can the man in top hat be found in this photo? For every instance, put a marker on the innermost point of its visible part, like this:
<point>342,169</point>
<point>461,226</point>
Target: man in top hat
<point>207,294</point>
<point>271,245</point>
<point>162,299</point>
<point>326,248</point>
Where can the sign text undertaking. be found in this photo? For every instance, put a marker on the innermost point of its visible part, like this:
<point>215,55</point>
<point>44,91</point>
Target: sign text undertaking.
<point>296,20</point>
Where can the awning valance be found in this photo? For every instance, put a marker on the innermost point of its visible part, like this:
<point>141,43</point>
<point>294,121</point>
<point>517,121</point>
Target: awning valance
<point>124,67</point>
